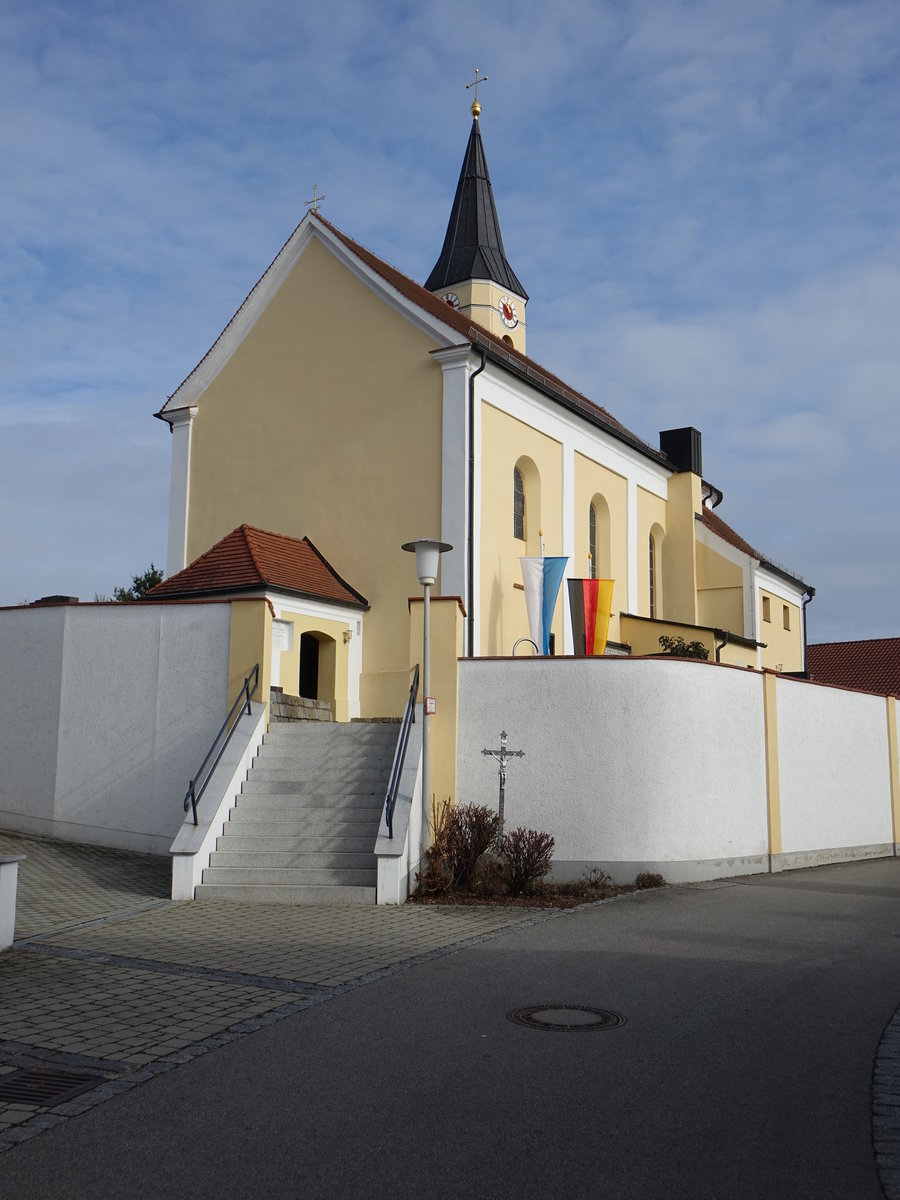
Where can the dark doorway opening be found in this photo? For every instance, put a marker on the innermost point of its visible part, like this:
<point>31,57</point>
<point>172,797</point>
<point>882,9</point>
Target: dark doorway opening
<point>309,666</point>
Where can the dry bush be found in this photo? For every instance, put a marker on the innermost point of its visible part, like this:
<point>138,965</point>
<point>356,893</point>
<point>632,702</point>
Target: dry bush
<point>490,876</point>
<point>471,830</point>
<point>435,879</point>
<point>527,856</point>
<point>649,879</point>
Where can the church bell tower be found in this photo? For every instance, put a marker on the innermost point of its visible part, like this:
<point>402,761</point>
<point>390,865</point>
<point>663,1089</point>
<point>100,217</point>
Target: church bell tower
<point>472,273</point>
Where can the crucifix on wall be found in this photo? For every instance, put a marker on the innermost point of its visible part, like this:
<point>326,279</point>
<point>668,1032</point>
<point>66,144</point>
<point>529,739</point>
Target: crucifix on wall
<point>502,756</point>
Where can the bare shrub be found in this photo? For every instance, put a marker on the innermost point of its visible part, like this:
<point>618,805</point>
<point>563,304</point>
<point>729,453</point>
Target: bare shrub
<point>527,855</point>
<point>649,879</point>
<point>434,878</point>
<point>490,876</point>
<point>471,830</point>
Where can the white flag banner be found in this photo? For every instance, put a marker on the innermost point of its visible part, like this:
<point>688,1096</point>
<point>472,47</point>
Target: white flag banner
<point>533,581</point>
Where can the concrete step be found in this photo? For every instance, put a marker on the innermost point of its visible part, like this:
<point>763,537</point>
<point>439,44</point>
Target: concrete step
<point>322,795</point>
<point>295,799</point>
<point>287,893</point>
<point>339,731</point>
<point>305,817</point>
<point>358,876</point>
<point>314,777</point>
<point>292,829</point>
<point>342,861</point>
<point>241,842</point>
<point>304,746</point>
<point>305,768</point>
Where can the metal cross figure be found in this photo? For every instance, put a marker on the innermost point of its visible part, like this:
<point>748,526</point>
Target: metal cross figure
<point>502,755</point>
<point>316,200</point>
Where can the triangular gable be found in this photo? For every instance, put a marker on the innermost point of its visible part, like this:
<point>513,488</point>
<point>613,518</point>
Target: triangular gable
<point>432,318</point>
<point>435,316</point>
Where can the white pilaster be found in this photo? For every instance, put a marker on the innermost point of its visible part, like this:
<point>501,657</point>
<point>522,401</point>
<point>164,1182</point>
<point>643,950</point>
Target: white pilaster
<point>457,362</point>
<point>568,534</point>
<point>632,530</point>
<point>181,422</point>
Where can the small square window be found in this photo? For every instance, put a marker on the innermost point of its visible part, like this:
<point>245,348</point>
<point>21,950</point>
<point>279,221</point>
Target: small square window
<point>786,614</point>
<point>767,606</point>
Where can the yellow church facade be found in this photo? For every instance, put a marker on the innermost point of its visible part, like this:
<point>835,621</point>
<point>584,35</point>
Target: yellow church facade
<point>348,404</point>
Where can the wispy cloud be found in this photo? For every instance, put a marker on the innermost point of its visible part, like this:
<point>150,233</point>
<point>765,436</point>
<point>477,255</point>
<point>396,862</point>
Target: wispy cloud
<point>702,199</point>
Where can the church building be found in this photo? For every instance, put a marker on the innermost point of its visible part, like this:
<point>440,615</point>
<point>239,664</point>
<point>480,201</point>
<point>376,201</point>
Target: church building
<point>350,406</point>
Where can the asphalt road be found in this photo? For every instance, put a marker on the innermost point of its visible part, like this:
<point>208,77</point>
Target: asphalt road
<point>753,1014</point>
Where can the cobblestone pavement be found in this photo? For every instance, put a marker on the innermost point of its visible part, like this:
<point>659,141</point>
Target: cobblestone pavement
<point>111,982</point>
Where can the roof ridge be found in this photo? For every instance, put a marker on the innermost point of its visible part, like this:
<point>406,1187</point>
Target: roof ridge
<point>247,529</point>
<point>318,553</point>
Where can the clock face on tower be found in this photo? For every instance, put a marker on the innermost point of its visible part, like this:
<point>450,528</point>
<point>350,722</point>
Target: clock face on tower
<point>507,310</point>
<point>451,298</point>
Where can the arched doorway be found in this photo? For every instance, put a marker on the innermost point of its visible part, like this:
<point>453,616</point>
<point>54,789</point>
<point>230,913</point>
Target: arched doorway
<point>317,666</point>
<point>309,666</point>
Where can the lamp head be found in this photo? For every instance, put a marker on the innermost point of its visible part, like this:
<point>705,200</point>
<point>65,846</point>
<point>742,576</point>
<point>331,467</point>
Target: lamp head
<point>427,552</point>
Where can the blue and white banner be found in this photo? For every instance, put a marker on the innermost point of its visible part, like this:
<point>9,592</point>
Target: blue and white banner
<point>542,578</point>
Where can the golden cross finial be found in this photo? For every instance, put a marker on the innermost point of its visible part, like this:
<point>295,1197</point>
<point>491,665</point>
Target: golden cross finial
<point>476,107</point>
<point>316,200</point>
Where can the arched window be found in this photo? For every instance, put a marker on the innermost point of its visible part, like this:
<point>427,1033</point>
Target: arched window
<point>518,504</point>
<point>599,538</point>
<point>527,504</point>
<point>652,577</point>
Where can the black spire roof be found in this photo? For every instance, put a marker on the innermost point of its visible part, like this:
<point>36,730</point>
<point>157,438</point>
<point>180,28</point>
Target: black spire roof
<point>473,246</point>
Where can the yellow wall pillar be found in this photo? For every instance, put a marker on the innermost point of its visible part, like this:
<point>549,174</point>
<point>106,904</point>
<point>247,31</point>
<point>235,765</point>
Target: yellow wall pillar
<point>679,553</point>
<point>894,758</point>
<point>251,643</point>
<point>447,623</point>
<point>773,784</point>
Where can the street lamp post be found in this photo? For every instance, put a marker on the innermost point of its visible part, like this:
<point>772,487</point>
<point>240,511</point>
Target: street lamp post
<point>427,552</point>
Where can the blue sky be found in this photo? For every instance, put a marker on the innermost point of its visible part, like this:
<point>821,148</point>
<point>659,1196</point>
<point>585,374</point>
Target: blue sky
<point>702,200</point>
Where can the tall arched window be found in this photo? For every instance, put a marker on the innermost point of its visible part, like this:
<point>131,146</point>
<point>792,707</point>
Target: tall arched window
<point>599,538</point>
<point>518,504</point>
<point>527,504</point>
<point>652,577</point>
<point>592,540</point>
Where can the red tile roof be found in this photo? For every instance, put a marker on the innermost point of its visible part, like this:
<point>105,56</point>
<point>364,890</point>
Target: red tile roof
<point>480,335</point>
<point>250,558</point>
<point>726,533</point>
<point>716,525</point>
<point>870,666</point>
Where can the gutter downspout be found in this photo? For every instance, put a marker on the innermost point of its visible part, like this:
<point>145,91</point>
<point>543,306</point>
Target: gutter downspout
<point>470,539</point>
<point>810,592</point>
<point>720,646</point>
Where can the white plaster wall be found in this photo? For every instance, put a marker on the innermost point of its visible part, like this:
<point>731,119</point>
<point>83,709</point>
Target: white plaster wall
<point>31,656</point>
<point>140,692</point>
<point>627,761</point>
<point>834,768</point>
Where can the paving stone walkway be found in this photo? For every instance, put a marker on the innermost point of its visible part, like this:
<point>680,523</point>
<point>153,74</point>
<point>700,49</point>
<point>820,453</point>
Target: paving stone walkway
<point>110,980</point>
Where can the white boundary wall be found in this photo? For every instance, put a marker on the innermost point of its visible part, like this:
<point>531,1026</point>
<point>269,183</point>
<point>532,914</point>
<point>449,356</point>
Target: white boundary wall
<point>660,765</point>
<point>106,712</point>
<point>631,764</point>
<point>834,770</point>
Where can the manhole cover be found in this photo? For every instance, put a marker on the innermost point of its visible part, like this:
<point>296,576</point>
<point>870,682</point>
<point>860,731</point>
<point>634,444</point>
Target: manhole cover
<point>566,1018</point>
<point>44,1088</point>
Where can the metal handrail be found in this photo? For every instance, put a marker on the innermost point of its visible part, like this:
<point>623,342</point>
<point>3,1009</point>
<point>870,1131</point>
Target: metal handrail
<point>194,794</point>
<point>409,717</point>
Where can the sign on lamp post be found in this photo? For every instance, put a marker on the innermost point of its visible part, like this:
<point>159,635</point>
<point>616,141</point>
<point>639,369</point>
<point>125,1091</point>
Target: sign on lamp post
<point>428,552</point>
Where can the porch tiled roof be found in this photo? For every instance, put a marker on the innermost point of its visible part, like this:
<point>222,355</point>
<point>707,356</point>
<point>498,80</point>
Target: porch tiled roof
<point>249,558</point>
<point>871,666</point>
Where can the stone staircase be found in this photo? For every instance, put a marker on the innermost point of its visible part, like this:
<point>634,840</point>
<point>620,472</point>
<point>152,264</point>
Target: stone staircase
<point>304,827</point>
